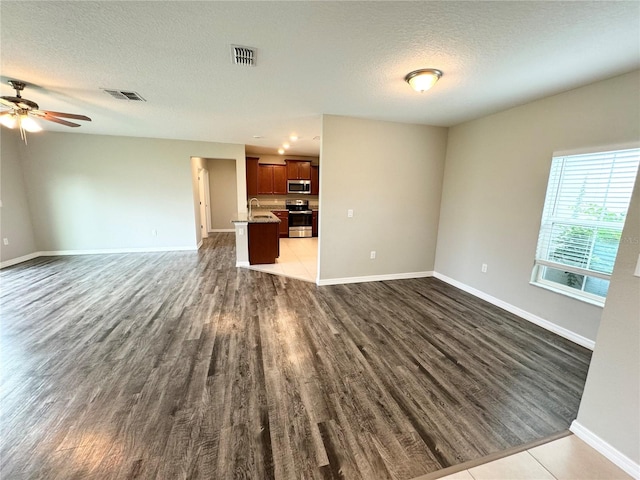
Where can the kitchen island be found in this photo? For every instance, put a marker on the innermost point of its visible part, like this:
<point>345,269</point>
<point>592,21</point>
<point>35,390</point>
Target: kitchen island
<point>257,238</point>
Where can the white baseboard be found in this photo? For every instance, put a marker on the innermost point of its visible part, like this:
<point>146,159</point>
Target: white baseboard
<point>222,230</point>
<point>242,264</point>
<point>200,243</point>
<point>15,261</point>
<point>606,449</point>
<point>546,324</point>
<point>103,251</point>
<point>373,278</point>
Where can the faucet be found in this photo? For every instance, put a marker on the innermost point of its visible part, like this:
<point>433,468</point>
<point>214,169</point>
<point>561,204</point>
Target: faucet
<point>250,202</point>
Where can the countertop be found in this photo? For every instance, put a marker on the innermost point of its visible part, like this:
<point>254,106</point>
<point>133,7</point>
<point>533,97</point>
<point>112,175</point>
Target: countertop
<point>257,216</point>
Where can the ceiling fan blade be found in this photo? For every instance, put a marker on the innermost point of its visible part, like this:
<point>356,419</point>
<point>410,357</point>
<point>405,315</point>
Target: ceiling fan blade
<point>7,102</point>
<point>65,115</point>
<point>59,120</point>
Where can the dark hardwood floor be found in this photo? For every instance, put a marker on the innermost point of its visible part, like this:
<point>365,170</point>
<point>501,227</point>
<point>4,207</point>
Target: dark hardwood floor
<point>179,365</point>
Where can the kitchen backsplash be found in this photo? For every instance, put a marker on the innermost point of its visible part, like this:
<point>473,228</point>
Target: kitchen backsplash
<point>278,202</point>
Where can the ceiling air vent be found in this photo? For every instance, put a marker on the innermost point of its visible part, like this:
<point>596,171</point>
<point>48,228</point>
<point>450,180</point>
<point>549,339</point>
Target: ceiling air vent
<point>243,55</point>
<point>124,95</point>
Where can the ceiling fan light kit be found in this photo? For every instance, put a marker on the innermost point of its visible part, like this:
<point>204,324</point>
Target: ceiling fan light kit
<point>21,112</point>
<point>9,119</point>
<point>21,120</point>
<point>423,79</point>
<point>28,124</point>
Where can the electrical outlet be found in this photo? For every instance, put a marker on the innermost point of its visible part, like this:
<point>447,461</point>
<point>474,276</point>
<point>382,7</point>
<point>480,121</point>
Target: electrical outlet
<point>5,241</point>
<point>350,213</point>
<point>372,256</point>
<point>484,268</point>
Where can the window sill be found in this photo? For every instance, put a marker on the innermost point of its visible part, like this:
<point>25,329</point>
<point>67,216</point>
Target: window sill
<point>567,293</point>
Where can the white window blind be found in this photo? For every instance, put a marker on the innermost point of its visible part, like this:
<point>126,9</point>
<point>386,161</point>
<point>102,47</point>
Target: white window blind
<point>584,212</point>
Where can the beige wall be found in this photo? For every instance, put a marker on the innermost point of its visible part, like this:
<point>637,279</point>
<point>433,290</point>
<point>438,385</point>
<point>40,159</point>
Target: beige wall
<point>610,406</point>
<point>15,217</point>
<point>390,174</point>
<point>223,192</point>
<point>494,186</point>
<point>93,192</point>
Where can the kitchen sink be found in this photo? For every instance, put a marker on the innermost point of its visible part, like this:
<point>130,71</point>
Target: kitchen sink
<point>261,216</point>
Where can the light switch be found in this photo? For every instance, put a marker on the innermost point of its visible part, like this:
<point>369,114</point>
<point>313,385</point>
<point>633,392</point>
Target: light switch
<point>350,213</point>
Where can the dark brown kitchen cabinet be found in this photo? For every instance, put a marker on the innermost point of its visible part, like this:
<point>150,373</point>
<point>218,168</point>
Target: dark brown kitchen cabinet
<point>315,180</point>
<point>279,180</point>
<point>265,179</point>
<point>264,243</point>
<point>314,223</point>
<point>298,169</point>
<point>252,176</point>
<point>272,179</point>
<point>283,215</point>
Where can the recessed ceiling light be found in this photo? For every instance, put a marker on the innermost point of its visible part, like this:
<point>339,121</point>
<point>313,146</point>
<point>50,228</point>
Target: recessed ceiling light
<point>293,138</point>
<point>281,151</point>
<point>422,80</point>
<point>286,146</point>
<point>257,136</point>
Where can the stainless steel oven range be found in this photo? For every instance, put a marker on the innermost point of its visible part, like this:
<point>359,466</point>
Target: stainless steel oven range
<point>300,218</point>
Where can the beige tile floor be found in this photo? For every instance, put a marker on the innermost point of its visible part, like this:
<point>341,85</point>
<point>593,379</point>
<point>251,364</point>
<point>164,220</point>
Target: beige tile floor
<point>298,259</point>
<point>568,458</point>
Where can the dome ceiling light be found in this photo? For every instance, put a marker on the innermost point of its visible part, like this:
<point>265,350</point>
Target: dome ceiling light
<point>423,79</point>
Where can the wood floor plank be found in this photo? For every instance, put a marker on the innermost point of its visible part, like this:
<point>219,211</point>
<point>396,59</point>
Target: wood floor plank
<point>180,365</point>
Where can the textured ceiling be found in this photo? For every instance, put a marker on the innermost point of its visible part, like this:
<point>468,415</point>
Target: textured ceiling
<point>314,57</point>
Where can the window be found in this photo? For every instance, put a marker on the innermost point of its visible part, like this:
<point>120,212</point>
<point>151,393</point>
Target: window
<point>584,212</point>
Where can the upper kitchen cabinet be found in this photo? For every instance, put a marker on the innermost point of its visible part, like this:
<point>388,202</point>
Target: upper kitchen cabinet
<point>252,176</point>
<point>279,180</point>
<point>298,169</point>
<point>315,180</point>
<point>272,179</point>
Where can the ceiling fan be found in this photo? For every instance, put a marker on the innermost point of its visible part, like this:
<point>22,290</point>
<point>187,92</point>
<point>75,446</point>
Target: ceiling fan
<point>21,112</point>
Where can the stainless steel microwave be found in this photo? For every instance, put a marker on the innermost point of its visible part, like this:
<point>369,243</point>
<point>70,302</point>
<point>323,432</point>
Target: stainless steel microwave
<point>299,186</point>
